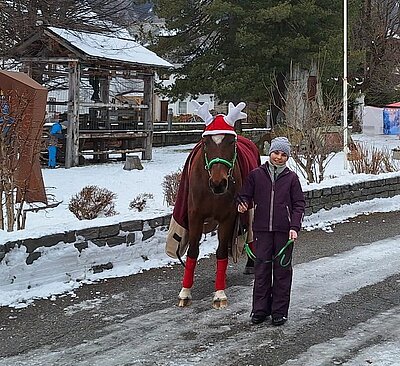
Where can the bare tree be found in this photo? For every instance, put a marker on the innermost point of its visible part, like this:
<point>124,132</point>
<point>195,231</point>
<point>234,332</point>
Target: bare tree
<point>19,18</point>
<point>376,39</point>
<point>310,123</point>
<point>10,150</point>
<point>20,139</point>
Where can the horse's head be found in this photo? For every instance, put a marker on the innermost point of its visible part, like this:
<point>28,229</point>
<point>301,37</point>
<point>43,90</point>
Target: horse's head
<point>219,143</point>
<point>219,157</point>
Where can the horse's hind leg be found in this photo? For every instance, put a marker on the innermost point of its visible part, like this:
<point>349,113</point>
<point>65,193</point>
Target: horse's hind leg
<point>225,231</point>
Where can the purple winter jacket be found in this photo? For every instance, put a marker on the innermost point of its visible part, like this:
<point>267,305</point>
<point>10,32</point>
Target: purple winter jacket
<point>279,205</point>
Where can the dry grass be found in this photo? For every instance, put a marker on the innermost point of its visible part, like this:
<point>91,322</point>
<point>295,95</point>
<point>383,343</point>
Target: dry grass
<point>371,160</point>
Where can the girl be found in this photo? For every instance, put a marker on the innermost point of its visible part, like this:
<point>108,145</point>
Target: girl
<point>278,200</point>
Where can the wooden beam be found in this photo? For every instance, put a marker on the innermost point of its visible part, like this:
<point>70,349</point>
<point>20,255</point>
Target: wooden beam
<point>109,152</point>
<point>148,96</point>
<point>113,135</point>
<point>51,60</point>
<point>49,102</point>
<point>111,105</point>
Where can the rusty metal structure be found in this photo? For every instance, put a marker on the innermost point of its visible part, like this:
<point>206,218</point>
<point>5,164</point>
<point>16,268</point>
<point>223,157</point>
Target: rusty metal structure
<point>22,107</point>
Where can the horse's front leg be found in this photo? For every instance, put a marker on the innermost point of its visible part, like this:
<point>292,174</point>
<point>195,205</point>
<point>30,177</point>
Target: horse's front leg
<point>220,301</point>
<point>225,234</point>
<point>185,295</point>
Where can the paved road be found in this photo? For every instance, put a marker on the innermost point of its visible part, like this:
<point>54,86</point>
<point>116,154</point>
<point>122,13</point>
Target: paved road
<point>345,310</point>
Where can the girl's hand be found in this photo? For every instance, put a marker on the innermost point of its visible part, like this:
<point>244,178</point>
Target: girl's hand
<point>292,235</point>
<point>242,207</point>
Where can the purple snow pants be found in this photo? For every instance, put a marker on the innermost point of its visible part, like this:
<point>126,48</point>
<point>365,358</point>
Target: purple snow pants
<point>272,282</point>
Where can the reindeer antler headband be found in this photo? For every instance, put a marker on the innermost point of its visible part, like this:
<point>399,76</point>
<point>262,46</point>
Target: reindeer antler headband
<point>221,124</point>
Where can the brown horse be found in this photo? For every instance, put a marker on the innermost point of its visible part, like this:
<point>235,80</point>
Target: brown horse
<point>216,173</point>
<point>212,176</point>
<point>214,181</point>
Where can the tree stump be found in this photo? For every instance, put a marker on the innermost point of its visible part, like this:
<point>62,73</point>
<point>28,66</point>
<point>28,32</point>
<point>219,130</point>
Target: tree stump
<point>133,162</point>
<point>396,154</point>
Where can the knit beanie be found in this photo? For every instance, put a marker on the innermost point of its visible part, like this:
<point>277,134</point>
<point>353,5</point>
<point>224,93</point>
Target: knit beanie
<point>280,144</point>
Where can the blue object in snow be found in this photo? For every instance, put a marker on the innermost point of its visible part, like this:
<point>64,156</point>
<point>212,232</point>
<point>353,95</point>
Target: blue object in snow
<point>56,128</point>
<point>55,133</point>
<point>52,156</point>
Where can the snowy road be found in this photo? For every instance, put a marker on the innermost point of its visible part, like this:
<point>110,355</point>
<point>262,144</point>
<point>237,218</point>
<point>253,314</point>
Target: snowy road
<point>345,311</point>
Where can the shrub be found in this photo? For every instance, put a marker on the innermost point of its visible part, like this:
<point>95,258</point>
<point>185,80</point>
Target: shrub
<point>371,160</point>
<point>92,202</point>
<point>170,186</point>
<point>140,201</point>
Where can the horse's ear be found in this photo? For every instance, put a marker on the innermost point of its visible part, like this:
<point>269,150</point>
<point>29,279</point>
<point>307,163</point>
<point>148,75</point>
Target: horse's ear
<point>203,111</point>
<point>235,113</point>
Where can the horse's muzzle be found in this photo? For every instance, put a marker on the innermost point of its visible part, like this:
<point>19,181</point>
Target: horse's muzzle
<point>220,187</point>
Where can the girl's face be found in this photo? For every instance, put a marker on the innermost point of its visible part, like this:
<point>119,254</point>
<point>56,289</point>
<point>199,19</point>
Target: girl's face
<point>278,158</point>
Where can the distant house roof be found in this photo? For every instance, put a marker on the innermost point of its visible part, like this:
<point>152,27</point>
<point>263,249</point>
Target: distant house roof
<point>112,48</point>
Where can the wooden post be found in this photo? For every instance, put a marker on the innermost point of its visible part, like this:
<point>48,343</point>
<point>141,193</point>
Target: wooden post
<point>27,68</point>
<point>148,91</point>
<point>72,143</point>
<point>105,89</point>
<point>105,98</point>
<point>169,119</point>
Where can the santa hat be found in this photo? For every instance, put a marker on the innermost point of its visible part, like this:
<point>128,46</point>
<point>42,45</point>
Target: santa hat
<point>220,124</point>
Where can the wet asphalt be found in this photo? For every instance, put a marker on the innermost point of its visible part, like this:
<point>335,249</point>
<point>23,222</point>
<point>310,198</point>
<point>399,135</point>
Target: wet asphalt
<point>46,323</point>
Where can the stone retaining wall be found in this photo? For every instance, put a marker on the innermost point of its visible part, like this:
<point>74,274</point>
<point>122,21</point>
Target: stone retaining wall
<point>131,232</point>
<point>350,193</point>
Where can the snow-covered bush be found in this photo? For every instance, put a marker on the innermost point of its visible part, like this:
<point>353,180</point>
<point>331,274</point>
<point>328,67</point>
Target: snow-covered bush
<point>170,186</point>
<point>92,202</point>
<point>140,201</point>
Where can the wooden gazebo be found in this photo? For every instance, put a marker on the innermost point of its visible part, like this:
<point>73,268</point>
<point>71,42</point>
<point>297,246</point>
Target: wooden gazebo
<point>99,124</point>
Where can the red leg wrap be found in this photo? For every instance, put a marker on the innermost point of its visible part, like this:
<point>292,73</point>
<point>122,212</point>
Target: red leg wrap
<point>220,278</point>
<point>188,275</point>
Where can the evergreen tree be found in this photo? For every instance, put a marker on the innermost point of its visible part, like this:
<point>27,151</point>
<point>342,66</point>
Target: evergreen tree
<point>232,48</point>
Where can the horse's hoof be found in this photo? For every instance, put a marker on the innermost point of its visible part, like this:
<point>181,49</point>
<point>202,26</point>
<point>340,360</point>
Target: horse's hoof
<point>220,300</point>
<point>184,302</point>
<point>248,270</point>
<point>220,304</point>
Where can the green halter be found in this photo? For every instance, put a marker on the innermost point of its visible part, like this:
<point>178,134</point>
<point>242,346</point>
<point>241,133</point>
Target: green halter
<point>229,164</point>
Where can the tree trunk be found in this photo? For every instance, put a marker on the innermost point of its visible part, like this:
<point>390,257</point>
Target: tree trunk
<point>1,208</point>
<point>9,206</point>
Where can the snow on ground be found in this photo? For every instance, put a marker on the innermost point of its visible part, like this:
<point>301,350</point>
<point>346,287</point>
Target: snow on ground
<point>57,270</point>
<point>64,183</point>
